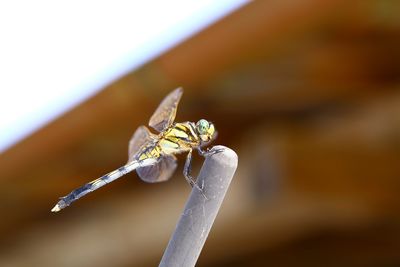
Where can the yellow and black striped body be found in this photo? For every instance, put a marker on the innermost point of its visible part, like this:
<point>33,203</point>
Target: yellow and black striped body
<point>149,151</point>
<point>179,138</point>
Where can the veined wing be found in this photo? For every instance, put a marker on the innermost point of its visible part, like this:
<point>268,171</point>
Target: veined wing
<point>165,166</point>
<point>159,172</point>
<point>165,114</point>
<point>141,137</point>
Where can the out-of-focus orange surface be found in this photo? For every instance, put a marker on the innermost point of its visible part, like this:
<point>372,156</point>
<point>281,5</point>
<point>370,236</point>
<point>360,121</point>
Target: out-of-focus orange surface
<point>307,92</point>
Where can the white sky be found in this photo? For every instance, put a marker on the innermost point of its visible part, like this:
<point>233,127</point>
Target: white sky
<point>55,54</point>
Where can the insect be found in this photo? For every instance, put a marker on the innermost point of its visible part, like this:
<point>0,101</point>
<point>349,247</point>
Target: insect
<point>153,155</point>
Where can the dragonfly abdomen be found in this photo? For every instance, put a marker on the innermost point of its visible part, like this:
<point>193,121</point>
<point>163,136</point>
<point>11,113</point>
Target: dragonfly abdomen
<point>150,151</point>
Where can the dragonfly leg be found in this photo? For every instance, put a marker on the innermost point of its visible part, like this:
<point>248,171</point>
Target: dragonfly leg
<point>187,170</point>
<point>208,152</point>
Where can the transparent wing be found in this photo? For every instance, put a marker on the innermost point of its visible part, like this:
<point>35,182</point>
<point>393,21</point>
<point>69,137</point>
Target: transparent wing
<point>162,170</point>
<point>141,136</point>
<point>165,114</point>
<point>159,172</point>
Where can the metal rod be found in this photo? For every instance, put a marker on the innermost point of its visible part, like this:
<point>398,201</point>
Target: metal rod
<point>195,223</point>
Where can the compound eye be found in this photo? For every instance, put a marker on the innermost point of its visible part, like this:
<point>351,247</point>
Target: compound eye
<point>202,126</point>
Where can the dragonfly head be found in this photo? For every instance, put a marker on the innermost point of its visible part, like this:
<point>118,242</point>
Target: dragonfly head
<point>205,130</point>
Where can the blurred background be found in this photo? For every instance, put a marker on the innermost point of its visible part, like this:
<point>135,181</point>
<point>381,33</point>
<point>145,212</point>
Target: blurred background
<point>307,92</point>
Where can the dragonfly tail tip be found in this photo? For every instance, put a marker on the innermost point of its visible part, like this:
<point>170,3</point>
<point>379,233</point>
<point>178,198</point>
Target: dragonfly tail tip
<point>56,208</point>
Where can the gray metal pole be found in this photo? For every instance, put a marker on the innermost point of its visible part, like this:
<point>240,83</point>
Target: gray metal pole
<point>195,223</point>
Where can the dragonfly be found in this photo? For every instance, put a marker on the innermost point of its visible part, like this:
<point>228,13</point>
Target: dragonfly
<point>153,155</point>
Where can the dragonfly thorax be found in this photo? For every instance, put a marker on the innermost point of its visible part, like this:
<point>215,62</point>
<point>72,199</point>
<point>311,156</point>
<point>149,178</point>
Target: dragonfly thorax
<point>180,137</point>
